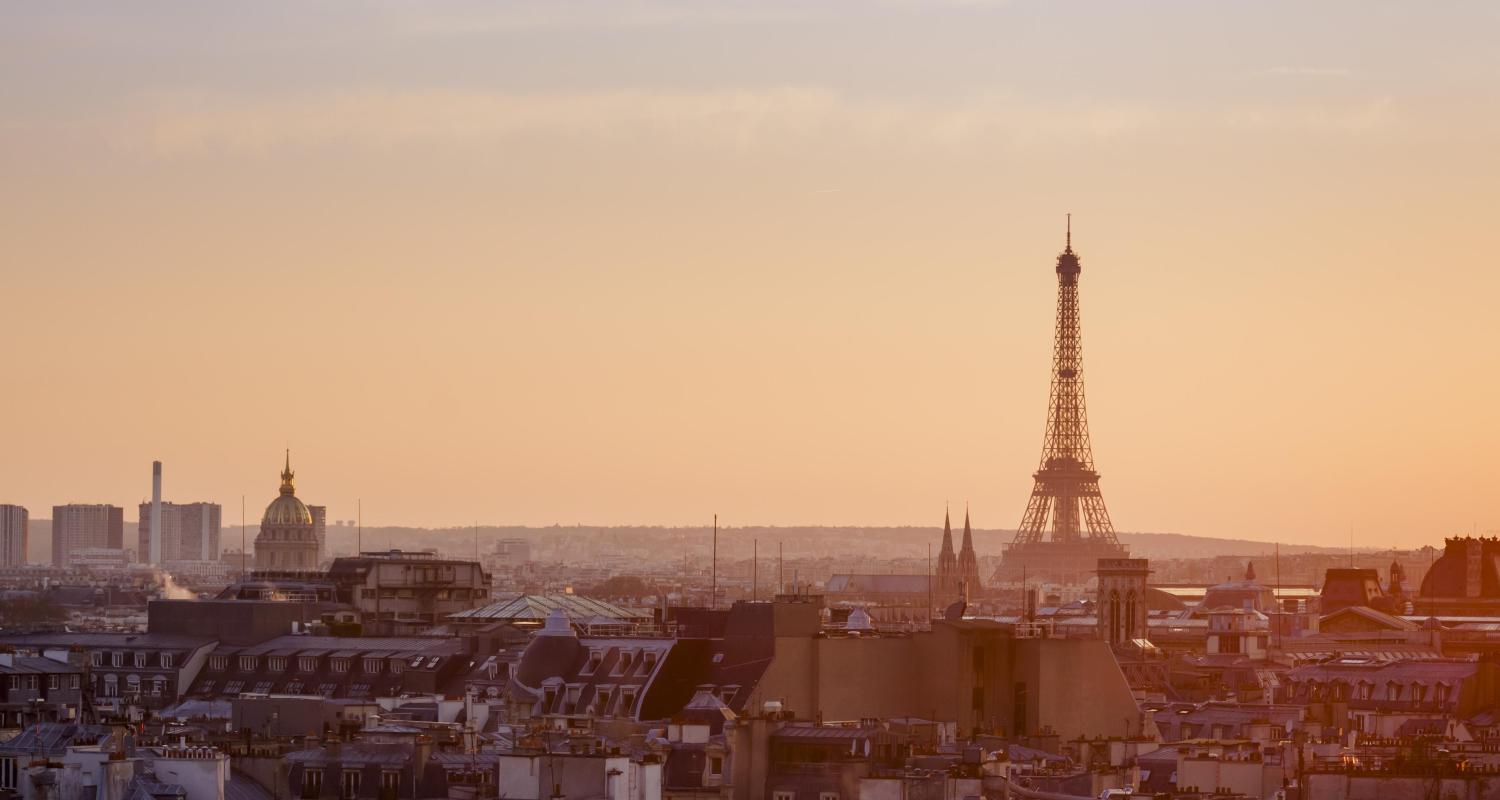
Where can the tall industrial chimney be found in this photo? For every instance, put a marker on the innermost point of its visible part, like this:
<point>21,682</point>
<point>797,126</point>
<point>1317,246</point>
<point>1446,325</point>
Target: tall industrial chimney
<point>155,555</point>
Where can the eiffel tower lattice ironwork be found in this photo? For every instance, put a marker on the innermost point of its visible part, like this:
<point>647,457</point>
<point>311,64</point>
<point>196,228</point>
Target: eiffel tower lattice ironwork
<point>1065,497</point>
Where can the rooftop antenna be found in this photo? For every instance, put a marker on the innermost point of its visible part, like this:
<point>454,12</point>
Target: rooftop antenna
<point>755,570</point>
<point>476,541</point>
<point>780,568</point>
<point>242,536</point>
<point>713,585</point>
<point>359,526</point>
<point>1069,248</point>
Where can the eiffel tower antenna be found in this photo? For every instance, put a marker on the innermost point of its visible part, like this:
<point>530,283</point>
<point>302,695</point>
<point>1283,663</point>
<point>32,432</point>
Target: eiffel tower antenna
<point>1066,527</point>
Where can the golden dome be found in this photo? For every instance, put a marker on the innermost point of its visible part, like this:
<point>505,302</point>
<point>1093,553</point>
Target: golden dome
<point>287,510</point>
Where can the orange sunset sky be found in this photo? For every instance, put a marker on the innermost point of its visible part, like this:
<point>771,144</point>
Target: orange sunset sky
<point>639,262</point>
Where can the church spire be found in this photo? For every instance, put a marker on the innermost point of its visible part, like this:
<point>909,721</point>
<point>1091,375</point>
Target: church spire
<point>287,475</point>
<point>947,534</point>
<point>968,534</point>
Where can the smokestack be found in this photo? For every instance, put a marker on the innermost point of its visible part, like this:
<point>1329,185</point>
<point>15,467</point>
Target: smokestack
<point>155,555</point>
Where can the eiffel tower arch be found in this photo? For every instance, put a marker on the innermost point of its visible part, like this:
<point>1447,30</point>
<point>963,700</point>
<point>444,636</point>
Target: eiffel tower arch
<point>1066,527</point>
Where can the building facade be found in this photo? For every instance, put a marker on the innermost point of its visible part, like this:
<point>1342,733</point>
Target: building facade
<point>13,536</point>
<point>401,594</point>
<point>77,526</point>
<point>287,540</point>
<point>189,531</point>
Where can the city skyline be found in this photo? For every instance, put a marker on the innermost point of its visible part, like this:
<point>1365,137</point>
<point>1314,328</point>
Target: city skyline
<point>731,260</point>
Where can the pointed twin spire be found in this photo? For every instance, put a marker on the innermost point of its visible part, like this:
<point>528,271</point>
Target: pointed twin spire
<point>968,534</point>
<point>947,534</point>
<point>287,475</point>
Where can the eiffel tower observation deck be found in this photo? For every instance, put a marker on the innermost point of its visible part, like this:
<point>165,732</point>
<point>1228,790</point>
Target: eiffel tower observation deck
<point>1066,529</point>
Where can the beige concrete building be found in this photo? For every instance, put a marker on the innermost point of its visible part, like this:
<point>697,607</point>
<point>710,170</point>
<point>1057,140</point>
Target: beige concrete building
<point>78,526</point>
<point>400,593</point>
<point>189,531</point>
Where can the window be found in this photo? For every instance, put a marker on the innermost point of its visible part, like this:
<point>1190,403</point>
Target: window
<point>263,687</point>
<point>75,681</point>
<point>247,663</point>
<point>1419,692</point>
<point>140,660</point>
<point>312,783</point>
<point>596,657</point>
<point>233,687</point>
<point>783,795</point>
<point>166,660</point>
<point>390,783</point>
<point>650,660</point>
<point>219,663</point>
<point>111,686</point>
<point>627,701</point>
<point>295,687</point>
<point>33,682</point>
<point>716,765</point>
<point>1393,691</point>
<point>1442,693</point>
<point>368,594</point>
<point>54,681</point>
<point>601,699</point>
<point>340,664</point>
<point>372,665</point>
<point>627,659</point>
<point>397,666</point>
<point>7,773</point>
<point>157,684</point>
<point>117,659</point>
<point>349,784</point>
<point>828,796</point>
<point>133,684</point>
<point>308,663</point>
<point>277,663</point>
<point>96,659</point>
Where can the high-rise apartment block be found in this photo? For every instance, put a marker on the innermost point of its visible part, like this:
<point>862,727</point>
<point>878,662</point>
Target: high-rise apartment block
<point>320,530</point>
<point>79,525</point>
<point>189,531</point>
<point>13,539</point>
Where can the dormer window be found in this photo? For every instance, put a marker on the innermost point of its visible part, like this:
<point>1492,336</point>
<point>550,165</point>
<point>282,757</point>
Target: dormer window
<point>596,657</point>
<point>96,659</point>
<point>627,701</point>
<point>340,664</point>
<point>1393,691</point>
<point>549,698</point>
<point>140,660</point>
<point>278,663</point>
<point>575,690</point>
<point>219,663</point>
<point>307,663</point>
<point>117,659</point>
<point>650,660</point>
<point>627,660</point>
<point>1443,691</point>
<point>166,660</point>
<point>602,696</point>
<point>247,663</point>
<point>372,665</point>
<point>1418,692</point>
<point>397,666</point>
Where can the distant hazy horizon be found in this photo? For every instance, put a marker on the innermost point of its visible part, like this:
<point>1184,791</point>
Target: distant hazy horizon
<point>646,261</point>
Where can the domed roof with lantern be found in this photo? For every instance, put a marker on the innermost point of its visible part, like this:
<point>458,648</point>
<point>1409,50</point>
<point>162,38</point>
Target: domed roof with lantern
<point>286,510</point>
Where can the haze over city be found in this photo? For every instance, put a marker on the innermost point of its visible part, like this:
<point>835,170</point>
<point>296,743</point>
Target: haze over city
<point>638,263</point>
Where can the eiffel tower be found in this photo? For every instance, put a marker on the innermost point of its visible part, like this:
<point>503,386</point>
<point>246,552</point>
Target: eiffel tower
<point>1066,488</point>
